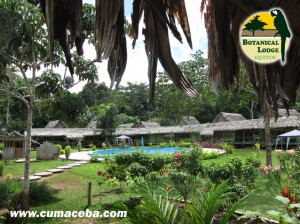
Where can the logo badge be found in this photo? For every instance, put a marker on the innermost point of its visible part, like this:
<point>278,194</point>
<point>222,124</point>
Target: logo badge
<point>265,36</point>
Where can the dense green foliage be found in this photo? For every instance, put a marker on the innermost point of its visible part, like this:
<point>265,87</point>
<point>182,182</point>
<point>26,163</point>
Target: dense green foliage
<point>131,101</point>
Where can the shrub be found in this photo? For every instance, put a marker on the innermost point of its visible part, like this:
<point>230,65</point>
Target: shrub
<point>79,146</point>
<point>94,158</point>
<point>241,176</point>
<point>172,144</point>
<point>123,144</point>
<point>212,145</point>
<point>191,162</point>
<point>1,168</point>
<point>103,145</point>
<point>9,189</point>
<point>183,183</point>
<point>185,144</point>
<point>11,193</point>
<point>158,162</point>
<point>136,169</point>
<point>227,147</point>
<point>123,159</point>
<point>210,155</point>
<point>92,147</point>
<point>118,171</point>
<point>40,193</point>
<point>252,161</point>
<point>60,150</point>
<point>163,144</point>
<point>67,151</point>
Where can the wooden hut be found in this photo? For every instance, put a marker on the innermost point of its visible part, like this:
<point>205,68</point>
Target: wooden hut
<point>14,146</point>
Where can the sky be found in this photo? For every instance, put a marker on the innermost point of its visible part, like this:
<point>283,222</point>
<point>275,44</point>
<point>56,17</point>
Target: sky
<point>137,64</point>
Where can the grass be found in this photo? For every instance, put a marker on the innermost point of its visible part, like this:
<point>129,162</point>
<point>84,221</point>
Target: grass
<point>71,189</point>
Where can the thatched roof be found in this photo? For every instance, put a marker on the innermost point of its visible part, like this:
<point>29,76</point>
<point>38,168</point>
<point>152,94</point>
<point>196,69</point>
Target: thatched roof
<point>228,117</point>
<point>283,113</point>
<point>56,124</point>
<point>145,124</point>
<point>189,121</point>
<point>15,136</point>
<point>65,132</point>
<point>130,125</point>
<point>92,123</point>
<point>207,129</point>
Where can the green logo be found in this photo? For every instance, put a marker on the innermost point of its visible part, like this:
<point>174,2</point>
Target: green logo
<point>265,36</point>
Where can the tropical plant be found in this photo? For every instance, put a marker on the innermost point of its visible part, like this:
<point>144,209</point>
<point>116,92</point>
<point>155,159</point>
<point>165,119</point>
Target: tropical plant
<point>183,183</point>
<point>79,146</point>
<point>161,209</point>
<point>92,147</point>
<point>290,214</point>
<point>94,158</point>
<point>2,166</point>
<point>67,151</point>
<point>203,209</point>
<point>60,150</point>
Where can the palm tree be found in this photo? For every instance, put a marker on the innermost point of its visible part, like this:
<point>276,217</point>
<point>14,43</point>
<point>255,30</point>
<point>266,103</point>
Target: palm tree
<point>223,20</point>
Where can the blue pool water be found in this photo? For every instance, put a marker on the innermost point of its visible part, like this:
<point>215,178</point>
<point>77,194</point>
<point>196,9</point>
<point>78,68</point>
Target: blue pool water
<point>112,152</point>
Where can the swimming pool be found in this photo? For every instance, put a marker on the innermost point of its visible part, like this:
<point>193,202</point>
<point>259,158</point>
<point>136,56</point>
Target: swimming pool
<point>111,152</point>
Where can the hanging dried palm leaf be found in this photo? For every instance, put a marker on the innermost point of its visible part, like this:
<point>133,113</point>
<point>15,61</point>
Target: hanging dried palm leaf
<point>118,56</point>
<point>59,15</point>
<point>223,20</point>
<point>107,14</point>
<point>159,17</point>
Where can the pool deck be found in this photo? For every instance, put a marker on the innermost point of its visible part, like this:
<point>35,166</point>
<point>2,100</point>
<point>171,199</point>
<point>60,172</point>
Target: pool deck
<point>84,156</point>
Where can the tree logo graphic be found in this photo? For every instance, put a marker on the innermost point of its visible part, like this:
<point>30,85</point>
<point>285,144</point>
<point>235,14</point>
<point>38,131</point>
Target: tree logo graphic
<point>265,36</point>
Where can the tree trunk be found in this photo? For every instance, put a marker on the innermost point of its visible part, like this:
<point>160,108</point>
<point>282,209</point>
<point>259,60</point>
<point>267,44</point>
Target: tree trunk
<point>268,135</point>
<point>27,158</point>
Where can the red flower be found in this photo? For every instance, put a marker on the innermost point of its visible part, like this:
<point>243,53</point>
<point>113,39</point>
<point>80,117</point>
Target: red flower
<point>260,168</point>
<point>178,155</point>
<point>108,176</point>
<point>203,189</point>
<point>99,172</point>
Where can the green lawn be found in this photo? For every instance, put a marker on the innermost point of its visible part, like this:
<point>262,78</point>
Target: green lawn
<point>71,187</point>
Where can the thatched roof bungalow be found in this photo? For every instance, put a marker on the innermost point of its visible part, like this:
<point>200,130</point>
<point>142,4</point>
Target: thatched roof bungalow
<point>239,131</point>
<point>56,124</point>
<point>228,117</point>
<point>189,121</point>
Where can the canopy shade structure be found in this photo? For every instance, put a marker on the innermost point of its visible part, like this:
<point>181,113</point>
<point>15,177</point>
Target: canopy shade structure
<point>123,137</point>
<point>291,134</point>
<point>127,139</point>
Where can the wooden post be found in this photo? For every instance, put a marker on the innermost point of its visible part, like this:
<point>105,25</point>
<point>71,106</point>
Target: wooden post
<point>89,194</point>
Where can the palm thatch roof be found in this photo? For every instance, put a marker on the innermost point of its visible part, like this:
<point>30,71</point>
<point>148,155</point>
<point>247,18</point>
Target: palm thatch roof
<point>145,124</point>
<point>4,135</point>
<point>189,121</point>
<point>228,117</point>
<point>223,20</point>
<point>92,123</point>
<point>56,124</point>
<point>65,132</point>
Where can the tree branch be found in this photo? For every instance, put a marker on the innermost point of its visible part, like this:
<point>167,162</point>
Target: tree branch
<point>14,95</point>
